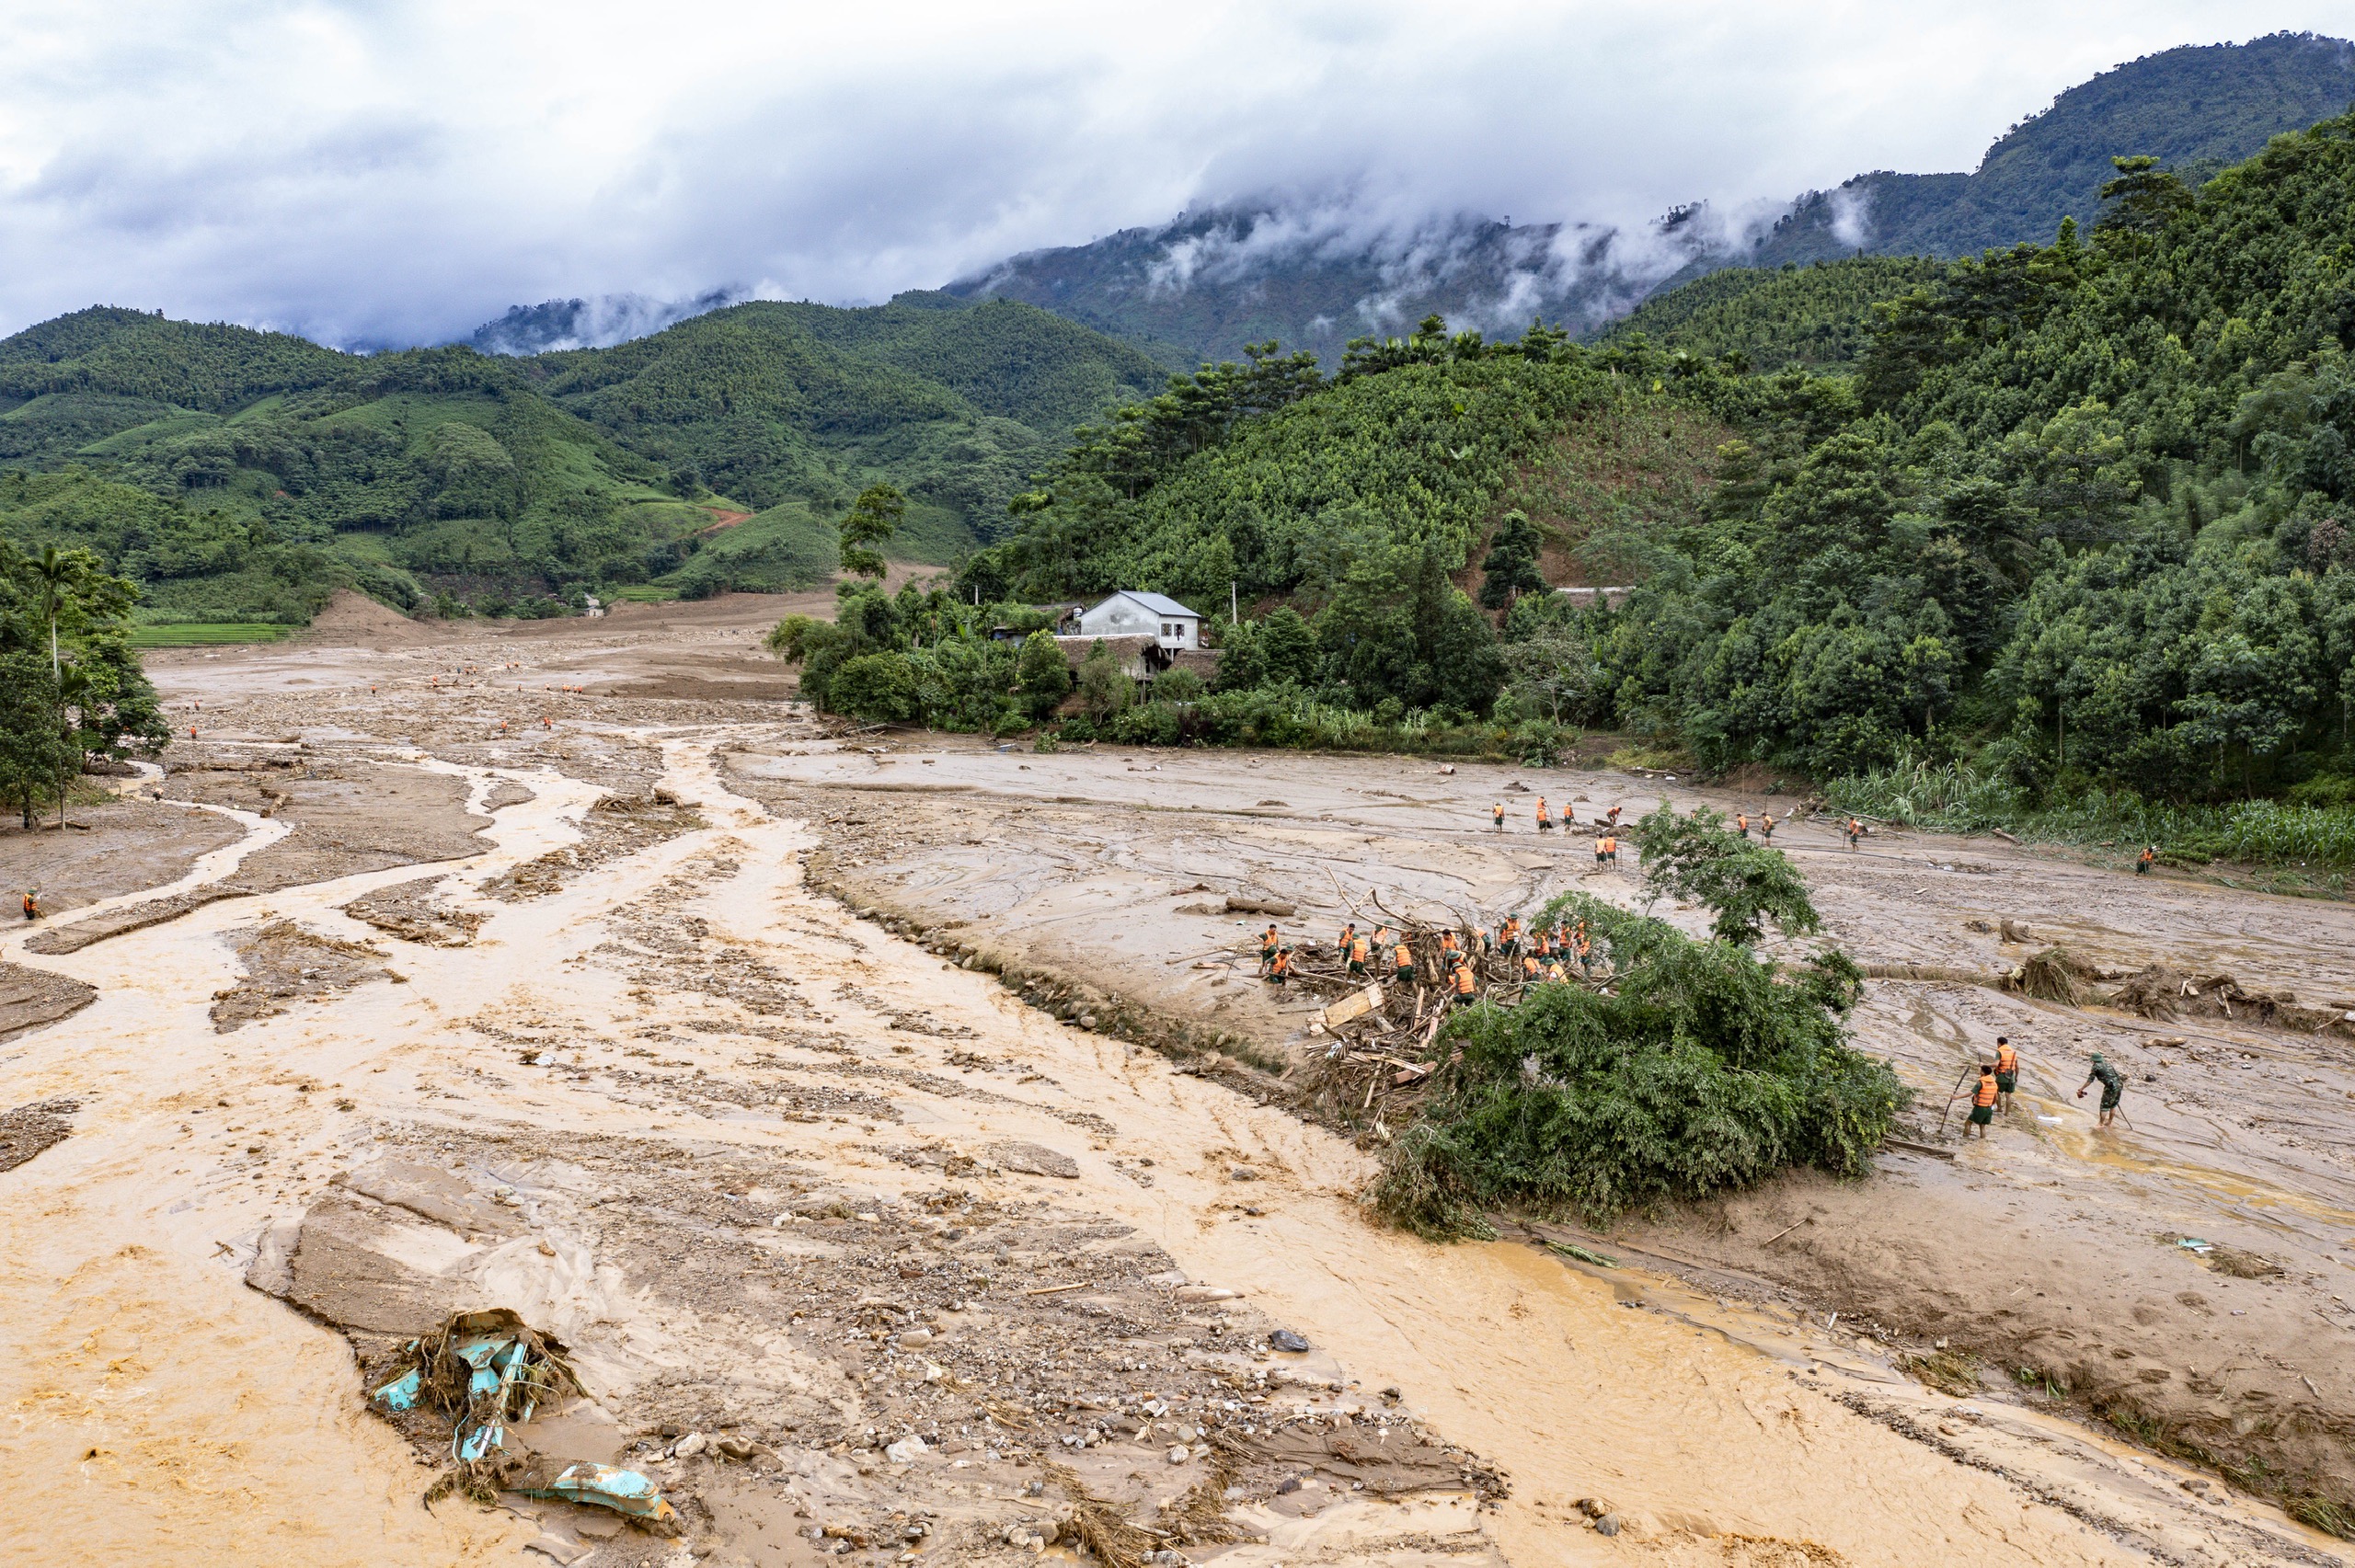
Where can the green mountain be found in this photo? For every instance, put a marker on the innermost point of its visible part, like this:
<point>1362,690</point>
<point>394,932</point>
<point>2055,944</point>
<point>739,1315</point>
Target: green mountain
<point>2196,109</point>
<point>2077,515</point>
<point>245,475</point>
<point>1203,286</point>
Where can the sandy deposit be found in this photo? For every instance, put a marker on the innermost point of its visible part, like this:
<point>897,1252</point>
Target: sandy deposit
<point>798,1186</point>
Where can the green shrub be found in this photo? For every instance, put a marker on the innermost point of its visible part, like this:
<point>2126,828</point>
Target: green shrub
<point>877,687</point>
<point>1703,1070</point>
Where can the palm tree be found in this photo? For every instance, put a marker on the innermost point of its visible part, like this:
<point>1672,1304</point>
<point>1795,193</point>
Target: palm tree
<point>59,573</point>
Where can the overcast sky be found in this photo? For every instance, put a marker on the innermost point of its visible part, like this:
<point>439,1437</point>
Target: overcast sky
<point>401,170</point>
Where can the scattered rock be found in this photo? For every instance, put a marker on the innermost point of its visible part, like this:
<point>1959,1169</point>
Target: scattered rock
<point>28,1129</point>
<point>1190,1293</point>
<point>1607,1525</point>
<point>1593,1508</point>
<point>916,1339</point>
<point>737,1448</point>
<point>907,1450</point>
<point>1284,1339</point>
<point>690,1445</point>
<point>1178,1453</point>
<point>1242,1174</point>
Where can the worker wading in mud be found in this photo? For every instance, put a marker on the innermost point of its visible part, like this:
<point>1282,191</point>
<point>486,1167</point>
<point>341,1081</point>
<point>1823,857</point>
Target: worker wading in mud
<point>1280,967</point>
<point>2113,1086</point>
<point>33,903</point>
<point>1982,1102</point>
<point>1268,946</point>
<point>2008,1072</point>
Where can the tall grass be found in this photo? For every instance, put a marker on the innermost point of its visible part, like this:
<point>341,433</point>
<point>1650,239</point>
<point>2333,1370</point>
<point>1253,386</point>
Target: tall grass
<point>1954,797</point>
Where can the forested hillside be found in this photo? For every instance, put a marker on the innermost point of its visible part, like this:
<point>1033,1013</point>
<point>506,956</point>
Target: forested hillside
<point>1819,316</point>
<point>2196,109</point>
<point>2079,520</point>
<point>242,475</point>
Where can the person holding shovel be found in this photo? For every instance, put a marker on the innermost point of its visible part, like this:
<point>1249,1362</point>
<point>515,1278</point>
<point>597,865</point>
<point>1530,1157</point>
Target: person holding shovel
<point>2113,1086</point>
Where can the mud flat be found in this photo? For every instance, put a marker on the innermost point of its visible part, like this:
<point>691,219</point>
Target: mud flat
<point>794,1191</point>
<point>2044,1264</point>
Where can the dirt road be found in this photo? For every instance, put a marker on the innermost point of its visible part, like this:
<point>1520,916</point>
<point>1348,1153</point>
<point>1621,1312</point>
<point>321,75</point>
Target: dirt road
<point>806,1190</point>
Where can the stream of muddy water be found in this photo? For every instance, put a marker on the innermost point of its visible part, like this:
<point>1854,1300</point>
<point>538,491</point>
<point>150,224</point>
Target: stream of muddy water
<point>159,1410</point>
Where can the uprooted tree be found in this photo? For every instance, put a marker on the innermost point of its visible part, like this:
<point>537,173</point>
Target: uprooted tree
<point>1697,1068</point>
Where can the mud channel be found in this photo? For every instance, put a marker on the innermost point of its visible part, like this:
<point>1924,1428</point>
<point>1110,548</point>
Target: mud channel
<point>560,1000</point>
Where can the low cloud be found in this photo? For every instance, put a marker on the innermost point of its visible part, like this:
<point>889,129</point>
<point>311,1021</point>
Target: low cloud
<point>384,171</point>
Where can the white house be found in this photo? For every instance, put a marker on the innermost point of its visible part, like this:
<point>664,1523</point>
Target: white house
<point>1155,615</point>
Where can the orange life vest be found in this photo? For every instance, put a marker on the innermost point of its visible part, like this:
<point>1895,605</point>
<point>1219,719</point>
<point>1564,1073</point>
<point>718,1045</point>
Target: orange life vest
<point>2007,1060</point>
<point>1282,964</point>
<point>1986,1094</point>
<point>1359,948</point>
<point>1404,956</point>
<point>1464,981</point>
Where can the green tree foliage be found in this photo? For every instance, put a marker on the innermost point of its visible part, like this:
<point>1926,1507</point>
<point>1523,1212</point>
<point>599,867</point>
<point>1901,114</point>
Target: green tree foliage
<point>2090,517</point>
<point>2196,109</point>
<point>873,517</point>
<point>1698,859</point>
<point>1510,568</point>
<point>875,686</point>
<point>1699,1071</point>
<point>1819,316</point>
<point>247,475</point>
<point>70,686</point>
<point>1104,689</point>
<point>1044,674</point>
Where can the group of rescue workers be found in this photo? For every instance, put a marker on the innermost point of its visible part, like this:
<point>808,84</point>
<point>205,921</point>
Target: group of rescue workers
<point>1606,826</point>
<point>1535,957</point>
<point>2000,1077</point>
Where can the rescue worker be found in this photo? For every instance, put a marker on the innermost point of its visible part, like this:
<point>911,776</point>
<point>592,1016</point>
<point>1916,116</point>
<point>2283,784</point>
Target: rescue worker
<point>2113,1086</point>
<point>2143,862</point>
<point>1554,972</point>
<point>1856,832</point>
<point>1982,1102</point>
<point>2008,1072</point>
<point>1500,816</point>
<point>1545,823</point>
<point>1599,842</point>
<point>1346,940</point>
<point>1358,949</point>
<point>33,903</point>
<point>1741,821</point>
<point>1402,958</point>
<point>1280,967</point>
<point>1612,819</point>
<point>1448,952</point>
<point>1268,946</point>
<point>1466,985</point>
<point>1611,846</point>
<point>1530,968</point>
<point>1766,827</point>
<point>1509,936</point>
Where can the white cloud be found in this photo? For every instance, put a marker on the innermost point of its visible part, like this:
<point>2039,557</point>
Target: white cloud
<point>389,170</point>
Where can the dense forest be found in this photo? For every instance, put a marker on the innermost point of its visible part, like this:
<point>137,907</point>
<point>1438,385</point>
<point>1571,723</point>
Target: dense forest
<point>2077,516</point>
<point>243,475</point>
<point>2196,109</point>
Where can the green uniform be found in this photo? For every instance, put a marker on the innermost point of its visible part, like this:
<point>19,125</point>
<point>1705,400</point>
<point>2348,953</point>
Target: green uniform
<point>2113,1084</point>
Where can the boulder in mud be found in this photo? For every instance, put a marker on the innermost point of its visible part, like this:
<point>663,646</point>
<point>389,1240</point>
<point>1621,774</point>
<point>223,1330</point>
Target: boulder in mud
<point>1237,904</point>
<point>29,1129</point>
<point>1034,1160</point>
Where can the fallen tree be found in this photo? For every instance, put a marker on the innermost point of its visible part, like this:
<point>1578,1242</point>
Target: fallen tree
<point>1697,1068</point>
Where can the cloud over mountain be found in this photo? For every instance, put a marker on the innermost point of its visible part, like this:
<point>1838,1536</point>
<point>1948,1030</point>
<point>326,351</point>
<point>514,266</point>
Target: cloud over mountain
<point>398,170</point>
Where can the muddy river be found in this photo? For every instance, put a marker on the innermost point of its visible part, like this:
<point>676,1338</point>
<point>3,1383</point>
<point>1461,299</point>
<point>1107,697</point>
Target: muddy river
<point>511,996</point>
